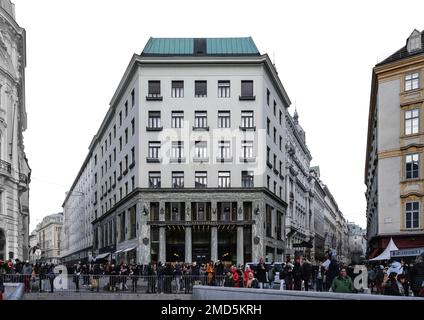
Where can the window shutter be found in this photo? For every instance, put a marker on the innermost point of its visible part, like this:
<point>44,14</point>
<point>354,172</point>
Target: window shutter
<point>201,88</point>
<point>247,88</point>
<point>154,87</point>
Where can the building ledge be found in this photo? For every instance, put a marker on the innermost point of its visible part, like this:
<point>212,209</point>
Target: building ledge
<point>160,98</point>
<point>224,160</point>
<point>201,128</point>
<point>177,160</point>
<point>153,160</point>
<point>200,160</point>
<point>154,129</point>
<point>247,128</point>
<point>249,159</point>
<point>247,98</point>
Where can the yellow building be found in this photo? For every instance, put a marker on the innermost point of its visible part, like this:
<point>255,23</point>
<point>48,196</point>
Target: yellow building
<point>394,167</point>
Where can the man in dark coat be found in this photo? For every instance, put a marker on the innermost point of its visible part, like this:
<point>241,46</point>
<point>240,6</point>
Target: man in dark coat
<point>297,274</point>
<point>417,275</point>
<point>332,272</point>
<point>261,273</point>
<point>307,273</point>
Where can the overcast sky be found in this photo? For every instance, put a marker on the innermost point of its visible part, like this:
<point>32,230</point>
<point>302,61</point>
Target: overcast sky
<point>77,52</point>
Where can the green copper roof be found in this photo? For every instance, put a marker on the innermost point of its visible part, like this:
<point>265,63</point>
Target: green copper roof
<point>200,46</point>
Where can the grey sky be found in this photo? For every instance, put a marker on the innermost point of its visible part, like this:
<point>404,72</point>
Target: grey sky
<point>78,50</point>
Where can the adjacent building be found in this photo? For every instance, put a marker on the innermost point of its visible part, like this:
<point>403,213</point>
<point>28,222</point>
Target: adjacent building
<point>357,243</point>
<point>394,170</point>
<point>14,168</point>
<point>47,238</point>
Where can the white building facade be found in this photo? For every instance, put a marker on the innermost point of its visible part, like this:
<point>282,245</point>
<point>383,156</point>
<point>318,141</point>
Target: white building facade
<point>186,164</point>
<point>14,169</point>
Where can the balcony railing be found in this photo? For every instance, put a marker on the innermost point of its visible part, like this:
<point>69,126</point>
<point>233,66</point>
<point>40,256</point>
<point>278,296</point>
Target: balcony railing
<point>5,167</point>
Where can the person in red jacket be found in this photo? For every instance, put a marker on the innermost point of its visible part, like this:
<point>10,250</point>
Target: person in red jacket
<point>246,276</point>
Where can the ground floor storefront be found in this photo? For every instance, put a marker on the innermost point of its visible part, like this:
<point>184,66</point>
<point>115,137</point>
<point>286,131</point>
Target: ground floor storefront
<point>234,226</point>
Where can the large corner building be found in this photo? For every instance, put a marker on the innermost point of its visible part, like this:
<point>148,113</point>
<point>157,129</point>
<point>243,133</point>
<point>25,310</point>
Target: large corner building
<point>197,159</point>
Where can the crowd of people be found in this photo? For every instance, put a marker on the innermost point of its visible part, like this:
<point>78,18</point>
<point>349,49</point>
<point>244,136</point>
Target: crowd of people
<point>394,278</point>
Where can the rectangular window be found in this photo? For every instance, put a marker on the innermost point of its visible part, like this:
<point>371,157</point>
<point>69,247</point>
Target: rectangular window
<point>126,162</point>
<point>247,149</point>
<point>120,118</point>
<point>132,98</point>
<point>177,149</point>
<point>247,179</point>
<point>114,131</point>
<point>120,143</point>
<point>224,89</point>
<point>154,148</point>
<point>200,89</point>
<point>275,161</point>
<point>132,182</point>
<point>154,89</point>
<point>114,154</point>
<point>247,88</point>
<point>154,119</point>
<point>133,155</point>
<point>281,143</point>
<point>177,119</point>
<point>412,166</point>
<point>224,119</point>
<point>126,109</point>
<point>412,121</point>
<point>268,221</point>
<point>247,119</point>
<point>224,149</point>
<point>95,160</point>
<point>201,179</point>
<point>201,149</point>
<point>132,127</point>
<point>177,89</point>
<point>154,179</point>
<point>126,135</point>
<point>412,212</point>
<point>268,150</point>
<point>275,135</point>
<point>268,179</point>
<point>224,179</point>
<point>275,108</point>
<point>201,119</point>
<point>412,81</point>
<point>178,179</point>
<point>267,96</point>
<point>275,187</point>
<point>280,118</point>
<point>268,125</point>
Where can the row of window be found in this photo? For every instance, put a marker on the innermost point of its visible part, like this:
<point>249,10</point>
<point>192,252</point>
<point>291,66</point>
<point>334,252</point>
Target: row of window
<point>201,119</point>
<point>201,89</point>
<point>123,140</point>
<point>201,179</point>
<point>200,150</point>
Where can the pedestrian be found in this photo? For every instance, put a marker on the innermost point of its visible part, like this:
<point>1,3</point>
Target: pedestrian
<point>332,271</point>
<point>297,274</point>
<point>271,276</point>
<point>306,273</point>
<point>229,281</point>
<point>320,277</point>
<point>342,283</point>
<point>134,274</point>
<point>391,286</point>
<point>27,272</point>
<point>178,274</point>
<point>51,276</point>
<point>210,272</point>
<point>77,273</point>
<point>261,272</point>
<point>251,281</point>
<point>288,274</point>
<point>1,285</point>
<point>417,275</point>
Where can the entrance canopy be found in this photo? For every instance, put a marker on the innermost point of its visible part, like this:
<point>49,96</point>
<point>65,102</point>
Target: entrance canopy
<point>385,255</point>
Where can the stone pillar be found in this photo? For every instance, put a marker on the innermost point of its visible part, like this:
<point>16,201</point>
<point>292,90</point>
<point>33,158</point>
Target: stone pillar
<point>144,236</point>
<point>162,244</point>
<point>240,238</point>
<point>258,233</point>
<point>240,253</point>
<point>188,245</point>
<point>214,233</point>
<point>162,234</point>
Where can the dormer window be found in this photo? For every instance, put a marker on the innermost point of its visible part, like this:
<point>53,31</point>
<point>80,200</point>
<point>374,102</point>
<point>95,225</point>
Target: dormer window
<point>414,41</point>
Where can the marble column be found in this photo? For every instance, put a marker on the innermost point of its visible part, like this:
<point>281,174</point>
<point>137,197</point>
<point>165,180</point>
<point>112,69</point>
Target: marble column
<point>188,245</point>
<point>214,233</point>
<point>162,244</point>
<point>240,238</point>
